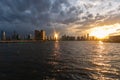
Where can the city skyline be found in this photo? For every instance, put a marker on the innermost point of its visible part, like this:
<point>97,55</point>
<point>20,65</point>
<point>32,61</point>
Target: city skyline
<point>40,35</point>
<point>59,39</point>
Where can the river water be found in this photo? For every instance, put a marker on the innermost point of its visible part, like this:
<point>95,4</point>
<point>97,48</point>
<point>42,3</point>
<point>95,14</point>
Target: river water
<point>65,60</point>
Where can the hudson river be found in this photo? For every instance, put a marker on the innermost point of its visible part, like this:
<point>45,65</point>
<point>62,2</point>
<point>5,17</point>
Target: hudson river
<point>69,60</point>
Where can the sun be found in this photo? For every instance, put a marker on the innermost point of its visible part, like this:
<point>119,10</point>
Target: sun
<point>56,36</point>
<point>101,34</point>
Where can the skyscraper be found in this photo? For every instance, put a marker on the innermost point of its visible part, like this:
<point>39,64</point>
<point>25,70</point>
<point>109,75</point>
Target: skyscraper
<point>29,37</point>
<point>40,35</point>
<point>87,36</point>
<point>15,36</point>
<point>3,35</point>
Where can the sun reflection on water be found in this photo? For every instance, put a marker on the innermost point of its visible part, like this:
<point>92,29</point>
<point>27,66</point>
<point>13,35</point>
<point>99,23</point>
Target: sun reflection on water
<point>102,61</point>
<point>54,62</point>
<point>55,54</point>
<point>103,68</point>
<point>56,47</point>
<point>100,56</point>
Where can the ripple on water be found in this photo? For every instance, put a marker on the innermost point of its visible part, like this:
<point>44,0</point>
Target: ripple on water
<point>76,60</point>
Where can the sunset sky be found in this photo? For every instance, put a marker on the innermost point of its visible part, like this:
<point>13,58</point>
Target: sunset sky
<point>72,17</point>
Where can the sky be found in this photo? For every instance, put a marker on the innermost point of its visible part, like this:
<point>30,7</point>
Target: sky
<point>73,17</point>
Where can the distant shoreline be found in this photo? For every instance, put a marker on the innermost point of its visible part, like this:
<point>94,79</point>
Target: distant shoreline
<point>20,41</point>
<point>33,41</point>
<point>111,41</point>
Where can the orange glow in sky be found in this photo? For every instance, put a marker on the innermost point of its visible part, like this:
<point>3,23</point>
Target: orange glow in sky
<point>104,31</point>
<point>99,33</point>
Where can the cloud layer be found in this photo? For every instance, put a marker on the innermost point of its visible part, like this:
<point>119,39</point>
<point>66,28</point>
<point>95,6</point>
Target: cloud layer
<point>66,16</point>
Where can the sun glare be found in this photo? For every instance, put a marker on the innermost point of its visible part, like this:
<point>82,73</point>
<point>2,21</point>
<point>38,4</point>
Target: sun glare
<point>56,36</point>
<point>104,31</point>
<point>99,33</point>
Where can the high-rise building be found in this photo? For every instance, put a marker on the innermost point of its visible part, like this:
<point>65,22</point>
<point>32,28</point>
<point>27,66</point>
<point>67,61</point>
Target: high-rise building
<point>29,37</point>
<point>3,35</point>
<point>40,35</point>
<point>37,34</point>
<point>87,36</point>
<point>15,36</point>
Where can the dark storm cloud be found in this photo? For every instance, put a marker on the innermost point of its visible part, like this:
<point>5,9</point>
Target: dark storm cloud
<point>23,13</point>
<point>38,13</point>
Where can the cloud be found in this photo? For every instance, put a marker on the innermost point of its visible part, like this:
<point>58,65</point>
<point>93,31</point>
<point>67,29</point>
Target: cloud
<point>28,15</point>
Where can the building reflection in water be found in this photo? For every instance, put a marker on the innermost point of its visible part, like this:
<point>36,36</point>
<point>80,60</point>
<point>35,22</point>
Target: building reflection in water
<point>56,48</point>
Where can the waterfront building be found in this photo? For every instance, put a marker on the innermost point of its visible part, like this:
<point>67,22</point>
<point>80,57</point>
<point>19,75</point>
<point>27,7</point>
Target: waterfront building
<point>29,37</point>
<point>87,36</point>
<point>40,35</point>
<point>114,38</point>
<point>3,35</point>
<point>68,38</point>
<point>15,36</point>
<point>78,38</point>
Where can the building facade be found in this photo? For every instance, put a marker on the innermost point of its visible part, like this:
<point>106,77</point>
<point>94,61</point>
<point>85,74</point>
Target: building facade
<point>3,35</point>
<point>40,35</point>
<point>114,38</point>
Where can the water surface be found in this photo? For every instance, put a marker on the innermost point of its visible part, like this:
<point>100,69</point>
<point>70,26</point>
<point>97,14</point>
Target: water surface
<point>65,60</point>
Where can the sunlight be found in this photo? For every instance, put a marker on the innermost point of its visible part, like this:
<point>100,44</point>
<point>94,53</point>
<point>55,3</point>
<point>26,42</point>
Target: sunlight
<point>102,32</point>
<point>100,42</point>
<point>56,36</point>
<point>99,33</point>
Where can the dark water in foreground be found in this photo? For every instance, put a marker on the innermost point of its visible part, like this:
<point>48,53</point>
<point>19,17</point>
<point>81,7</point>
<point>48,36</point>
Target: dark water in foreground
<point>60,61</point>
